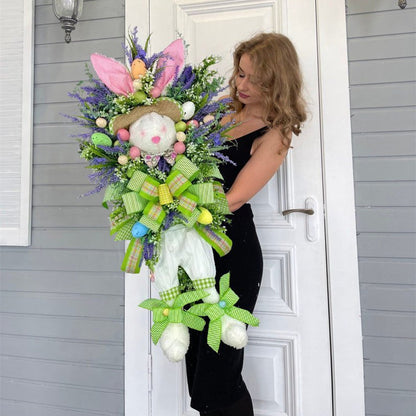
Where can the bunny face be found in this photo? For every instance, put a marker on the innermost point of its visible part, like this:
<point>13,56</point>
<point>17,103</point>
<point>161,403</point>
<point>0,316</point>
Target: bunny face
<point>153,133</point>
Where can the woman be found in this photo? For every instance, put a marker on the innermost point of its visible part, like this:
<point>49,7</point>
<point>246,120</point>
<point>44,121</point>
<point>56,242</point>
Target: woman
<point>266,95</point>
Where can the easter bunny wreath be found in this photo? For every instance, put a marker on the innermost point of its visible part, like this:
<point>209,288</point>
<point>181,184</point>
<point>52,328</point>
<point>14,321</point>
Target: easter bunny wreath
<point>155,148</point>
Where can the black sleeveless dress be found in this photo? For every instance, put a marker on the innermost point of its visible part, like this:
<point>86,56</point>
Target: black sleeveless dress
<point>214,379</point>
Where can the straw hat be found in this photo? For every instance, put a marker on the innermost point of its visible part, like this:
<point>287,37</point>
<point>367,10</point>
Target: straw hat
<point>164,107</point>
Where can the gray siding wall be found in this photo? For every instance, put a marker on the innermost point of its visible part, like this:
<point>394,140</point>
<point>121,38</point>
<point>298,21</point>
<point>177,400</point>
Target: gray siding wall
<point>382,67</point>
<point>62,298</point>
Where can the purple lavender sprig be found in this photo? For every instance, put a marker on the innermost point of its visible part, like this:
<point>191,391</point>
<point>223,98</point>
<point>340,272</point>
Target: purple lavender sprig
<point>153,59</point>
<point>148,249</point>
<point>186,79</point>
<point>102,178</point>
<point>133,49</point>
<point>214,107</point>
<point>163,166</point>
<point>112,150</point>
<point>224,158</point>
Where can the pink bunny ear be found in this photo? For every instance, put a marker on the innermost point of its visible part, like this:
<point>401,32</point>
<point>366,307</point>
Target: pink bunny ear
<point>114,75</point>
<point>171,63</point>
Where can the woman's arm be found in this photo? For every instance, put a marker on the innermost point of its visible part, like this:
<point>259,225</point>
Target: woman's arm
<point>266,159</point>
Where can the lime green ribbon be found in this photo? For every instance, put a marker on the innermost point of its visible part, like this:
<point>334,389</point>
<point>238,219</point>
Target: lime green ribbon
<point>225,306</point>
<point>163,314</point>
<point>133,258</point>
<point>113,192</point>
<point>145,190</point>
<point>142,196</point>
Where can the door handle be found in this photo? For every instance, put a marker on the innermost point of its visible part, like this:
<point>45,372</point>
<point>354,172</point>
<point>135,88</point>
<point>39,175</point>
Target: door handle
<point>312,221</point>
<point>301,210</point>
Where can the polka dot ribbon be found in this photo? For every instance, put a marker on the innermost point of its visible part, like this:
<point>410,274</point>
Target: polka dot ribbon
<point>225,306</point>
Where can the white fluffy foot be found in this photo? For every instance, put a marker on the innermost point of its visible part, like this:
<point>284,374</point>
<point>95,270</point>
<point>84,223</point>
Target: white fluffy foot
<point>213,296</point>
<point>175,341</point>
<point>233,333</point>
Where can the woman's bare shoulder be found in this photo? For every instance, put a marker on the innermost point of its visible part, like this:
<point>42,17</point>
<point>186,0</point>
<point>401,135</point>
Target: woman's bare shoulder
<point>273,141</point>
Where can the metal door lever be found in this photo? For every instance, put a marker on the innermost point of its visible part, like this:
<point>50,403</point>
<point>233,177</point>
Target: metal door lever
<point>312,221</point>
<point>301,210</point>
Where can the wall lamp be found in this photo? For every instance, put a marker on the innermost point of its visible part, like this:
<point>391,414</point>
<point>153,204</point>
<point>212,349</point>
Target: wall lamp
<point>68,12</point>
<point>402,4</point>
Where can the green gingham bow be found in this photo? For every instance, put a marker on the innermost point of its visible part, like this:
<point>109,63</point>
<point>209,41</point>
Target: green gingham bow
<point>149,195</point>
<point>143,195</point>
<point>225,306</point>
<point>163,314</point>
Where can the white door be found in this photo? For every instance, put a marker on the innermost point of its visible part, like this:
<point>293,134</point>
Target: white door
<point>287,364</point>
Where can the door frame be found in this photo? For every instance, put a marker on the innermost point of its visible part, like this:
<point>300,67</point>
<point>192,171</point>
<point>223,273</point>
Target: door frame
<point>338,186</point>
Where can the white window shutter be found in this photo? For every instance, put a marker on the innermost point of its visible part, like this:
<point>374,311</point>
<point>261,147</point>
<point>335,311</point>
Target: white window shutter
<point>16,121</point>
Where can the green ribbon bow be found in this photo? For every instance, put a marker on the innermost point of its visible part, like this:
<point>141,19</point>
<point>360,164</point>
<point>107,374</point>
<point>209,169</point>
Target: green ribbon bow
<point>163,314</point>
<point>143,195</point>
<point>225,306</point>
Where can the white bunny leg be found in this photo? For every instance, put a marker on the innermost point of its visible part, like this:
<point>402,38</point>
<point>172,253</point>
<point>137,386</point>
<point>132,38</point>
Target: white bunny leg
<point>198,262</point>
<point>174,340</point>
<point>200,266</point>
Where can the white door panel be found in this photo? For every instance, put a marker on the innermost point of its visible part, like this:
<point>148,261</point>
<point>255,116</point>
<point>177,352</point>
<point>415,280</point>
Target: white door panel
<point>287,360</point>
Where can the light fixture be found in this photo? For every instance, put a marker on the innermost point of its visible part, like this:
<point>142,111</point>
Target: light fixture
<point>402,4</point>
<point>68,12</point>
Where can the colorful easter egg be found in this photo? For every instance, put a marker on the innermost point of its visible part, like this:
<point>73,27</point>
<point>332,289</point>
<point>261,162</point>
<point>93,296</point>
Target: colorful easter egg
<point>188,109</point>
<point>137,84</point>
<point>138,68</point>
<point>101,122</point>
<point>139,96</point>
<point>179,147</point>
<point>192,124</point>
<point>208,118</point>
<point>101,139</point>
<point>180,126</point>
<point>180,136</point>
<point>134,152</point>
<point>123,160</point>
<point>205,217</point>
<point>139,230</point>
<point>123,134</point>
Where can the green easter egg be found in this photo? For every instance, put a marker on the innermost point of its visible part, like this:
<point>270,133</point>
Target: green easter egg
<point>180,126</point>
<point>101,139</point>
<point>139,96</point>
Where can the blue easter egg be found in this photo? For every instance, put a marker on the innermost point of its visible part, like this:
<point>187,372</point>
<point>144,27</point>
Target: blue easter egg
<point>139,230</point>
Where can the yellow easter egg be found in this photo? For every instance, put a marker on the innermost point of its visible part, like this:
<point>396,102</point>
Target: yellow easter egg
<point>101,122</point>
<point>123,160</point>
<point>138,68</point>
<point>137,84</point>
<point>205,217</point>
<point>180,136</point>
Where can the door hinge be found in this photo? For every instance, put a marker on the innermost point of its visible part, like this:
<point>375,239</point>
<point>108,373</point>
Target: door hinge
<point>149,372</point>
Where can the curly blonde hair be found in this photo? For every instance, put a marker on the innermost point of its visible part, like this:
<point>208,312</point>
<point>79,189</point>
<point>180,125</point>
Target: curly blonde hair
<point>279,78</point>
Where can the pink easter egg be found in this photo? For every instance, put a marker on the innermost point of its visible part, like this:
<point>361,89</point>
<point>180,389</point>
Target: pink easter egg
<point>134,152</point>
<point>179,147</point>
<point>123,134</point>
<point>192,123</point>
